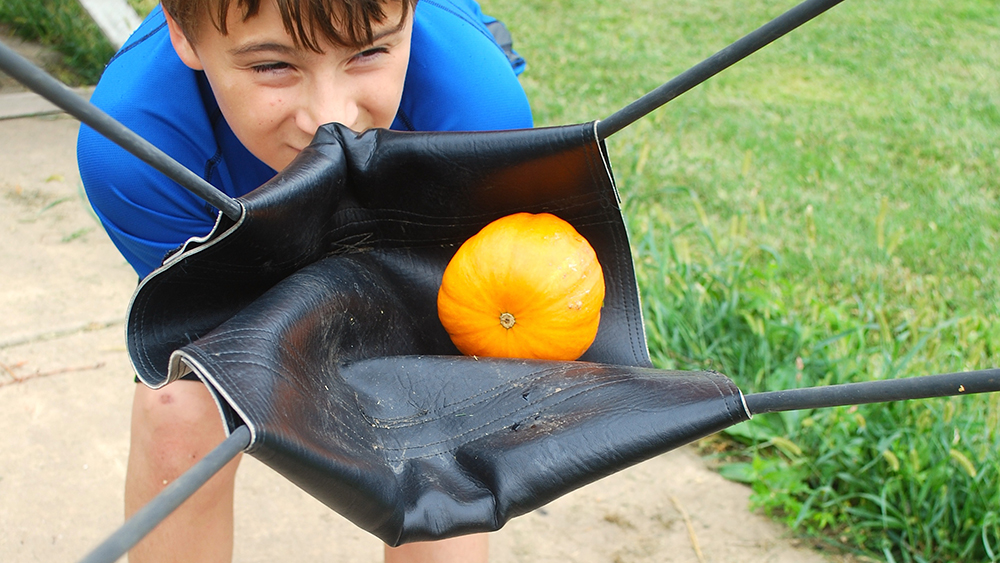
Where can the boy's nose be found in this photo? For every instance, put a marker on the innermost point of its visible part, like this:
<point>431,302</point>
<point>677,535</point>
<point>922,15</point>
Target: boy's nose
<point>328,106</point>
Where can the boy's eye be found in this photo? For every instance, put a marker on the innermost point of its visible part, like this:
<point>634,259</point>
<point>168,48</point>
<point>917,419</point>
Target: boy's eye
<point>270,67</point>
<point>371,53</point>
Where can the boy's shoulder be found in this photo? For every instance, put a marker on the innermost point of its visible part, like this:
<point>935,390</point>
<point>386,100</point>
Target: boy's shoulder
<point>150,90</point>
<point>460,78</point>
<point>146,64</point>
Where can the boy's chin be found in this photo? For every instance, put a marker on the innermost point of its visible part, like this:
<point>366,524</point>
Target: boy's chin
<point>278,160</point>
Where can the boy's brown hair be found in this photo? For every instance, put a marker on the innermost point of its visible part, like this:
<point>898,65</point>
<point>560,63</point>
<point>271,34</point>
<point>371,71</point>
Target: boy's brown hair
<point>342,22</point>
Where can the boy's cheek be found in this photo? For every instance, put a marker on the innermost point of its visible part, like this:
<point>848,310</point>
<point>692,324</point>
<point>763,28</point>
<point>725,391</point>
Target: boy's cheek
<point>263,127</point>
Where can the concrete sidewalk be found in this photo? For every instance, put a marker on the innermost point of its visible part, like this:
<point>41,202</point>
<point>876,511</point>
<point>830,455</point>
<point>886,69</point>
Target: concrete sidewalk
<point>65,379</point>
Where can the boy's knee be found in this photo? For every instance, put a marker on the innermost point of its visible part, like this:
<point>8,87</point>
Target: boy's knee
<point>175,426</point>
<point>183,406</point>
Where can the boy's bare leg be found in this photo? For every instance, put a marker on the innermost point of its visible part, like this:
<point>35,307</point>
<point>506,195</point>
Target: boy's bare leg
<point>173,428</point>
<point>463,549</point>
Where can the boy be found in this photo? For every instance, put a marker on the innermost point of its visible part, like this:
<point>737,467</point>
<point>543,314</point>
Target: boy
<point>234,89</point>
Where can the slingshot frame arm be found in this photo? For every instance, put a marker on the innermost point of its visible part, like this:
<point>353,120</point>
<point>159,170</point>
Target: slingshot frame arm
<point>163,504</point>
<point>925,387</point>
<point>56,92</point>
<point>713,65</point>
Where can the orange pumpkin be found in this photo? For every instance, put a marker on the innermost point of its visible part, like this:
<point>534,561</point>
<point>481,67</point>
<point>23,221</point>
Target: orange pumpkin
<point>526,286</point>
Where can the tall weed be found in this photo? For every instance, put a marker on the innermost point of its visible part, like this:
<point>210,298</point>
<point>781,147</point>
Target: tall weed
<point>66,27</point>
<point>913,481</point>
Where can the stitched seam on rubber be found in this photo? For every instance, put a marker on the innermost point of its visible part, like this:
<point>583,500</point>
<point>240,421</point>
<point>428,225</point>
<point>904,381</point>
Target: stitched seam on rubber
<point>473,430</point>
<point>477,399</point>
<point>601,172</point>
<point>354,435</point>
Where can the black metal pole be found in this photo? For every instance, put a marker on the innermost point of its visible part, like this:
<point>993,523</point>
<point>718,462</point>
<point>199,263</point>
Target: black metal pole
<point>150,516</point>
<point>713,65</point>
<point>945,385</point>
<point>56,92</point>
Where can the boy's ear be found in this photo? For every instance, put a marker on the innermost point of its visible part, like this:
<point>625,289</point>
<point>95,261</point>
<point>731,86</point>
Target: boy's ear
<point>185,50</point>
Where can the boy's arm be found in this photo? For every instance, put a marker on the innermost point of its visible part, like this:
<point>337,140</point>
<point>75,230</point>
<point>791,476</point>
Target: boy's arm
<point>145,213</point>
<point>150,91</point>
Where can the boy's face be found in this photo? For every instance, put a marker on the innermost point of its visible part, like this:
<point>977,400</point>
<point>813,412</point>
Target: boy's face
<point>274,95</point>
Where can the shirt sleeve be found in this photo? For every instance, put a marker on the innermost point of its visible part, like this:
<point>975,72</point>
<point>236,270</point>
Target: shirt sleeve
<point>149,90</point>
<point>459,78</point>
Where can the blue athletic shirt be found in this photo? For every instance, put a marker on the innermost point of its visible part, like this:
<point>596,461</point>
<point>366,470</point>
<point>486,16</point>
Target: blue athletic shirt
<point>459,79</point>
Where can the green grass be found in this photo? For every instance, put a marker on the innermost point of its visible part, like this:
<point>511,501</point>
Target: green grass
<point>823,212</point>
<point>66,27</point>
<point>910,481</point>
<point>840,129</point>
<point>143,7</point>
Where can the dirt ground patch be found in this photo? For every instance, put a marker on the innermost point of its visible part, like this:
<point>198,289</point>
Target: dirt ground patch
<point>66,387</point>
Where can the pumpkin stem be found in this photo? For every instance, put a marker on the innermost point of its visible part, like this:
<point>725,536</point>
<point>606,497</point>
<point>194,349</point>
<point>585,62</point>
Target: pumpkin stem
<point>506,320</point>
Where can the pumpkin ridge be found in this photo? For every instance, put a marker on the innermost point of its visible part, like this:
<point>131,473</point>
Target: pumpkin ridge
<point>536,268</point>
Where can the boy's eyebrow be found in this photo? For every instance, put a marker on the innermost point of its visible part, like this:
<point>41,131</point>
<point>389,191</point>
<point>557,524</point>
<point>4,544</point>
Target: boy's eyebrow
<point>272,47</point>
<point>394,29</point>
<point>264,46</point>
<point>389,31</point>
